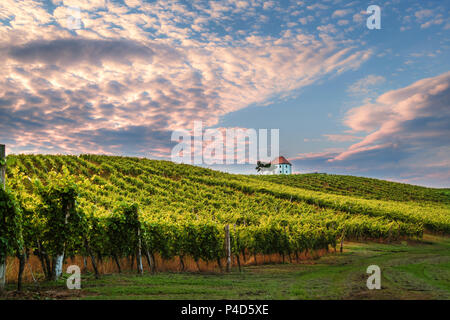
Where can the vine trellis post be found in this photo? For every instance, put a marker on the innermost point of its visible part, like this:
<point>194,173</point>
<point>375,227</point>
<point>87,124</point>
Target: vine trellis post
<point>228,246</point>
<point>3,166</point>
<point>3,183</point>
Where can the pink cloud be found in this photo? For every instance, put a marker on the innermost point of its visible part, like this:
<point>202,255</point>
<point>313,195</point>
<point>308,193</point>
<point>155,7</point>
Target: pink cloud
<point>326,154</point>
<point>389,120</point>
<point>341,13</point>
<point>341,137</point>
<point>364,85</point>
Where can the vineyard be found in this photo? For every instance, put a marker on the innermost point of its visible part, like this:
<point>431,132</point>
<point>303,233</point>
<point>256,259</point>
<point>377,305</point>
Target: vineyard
<point>361,187</point>
<point>108,207</point>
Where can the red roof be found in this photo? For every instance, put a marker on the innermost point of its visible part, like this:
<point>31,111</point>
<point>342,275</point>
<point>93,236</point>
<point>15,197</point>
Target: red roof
<point>280,160</point>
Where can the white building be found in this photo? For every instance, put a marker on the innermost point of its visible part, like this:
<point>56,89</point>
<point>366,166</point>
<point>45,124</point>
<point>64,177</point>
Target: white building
<point>281,166</point>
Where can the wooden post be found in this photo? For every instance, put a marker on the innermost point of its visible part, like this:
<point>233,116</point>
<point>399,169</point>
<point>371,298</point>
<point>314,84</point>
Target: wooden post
<point>3,167</point>
<point>342,241</point>
<point>228,246</point>
<point>3,184</point>
<point>139,253</point>
<point>237,253</point>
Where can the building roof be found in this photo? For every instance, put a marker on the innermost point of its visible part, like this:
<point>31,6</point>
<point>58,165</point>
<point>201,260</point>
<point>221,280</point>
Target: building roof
<point>280,160</point>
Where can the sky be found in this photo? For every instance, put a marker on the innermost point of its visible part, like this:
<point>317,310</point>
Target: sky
<point>118,77</point>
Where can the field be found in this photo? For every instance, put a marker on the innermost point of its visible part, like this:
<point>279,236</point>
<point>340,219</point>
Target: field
<point>162,216</point>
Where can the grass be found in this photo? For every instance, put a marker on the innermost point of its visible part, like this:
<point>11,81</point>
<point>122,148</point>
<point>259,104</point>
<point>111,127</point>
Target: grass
<point>410,270</point>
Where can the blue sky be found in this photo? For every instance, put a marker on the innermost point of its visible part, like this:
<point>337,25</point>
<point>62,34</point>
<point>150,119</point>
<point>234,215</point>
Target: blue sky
<point>346,99</point>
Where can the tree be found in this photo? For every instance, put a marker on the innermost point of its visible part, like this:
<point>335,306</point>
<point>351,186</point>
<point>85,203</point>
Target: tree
<point>263,166</point>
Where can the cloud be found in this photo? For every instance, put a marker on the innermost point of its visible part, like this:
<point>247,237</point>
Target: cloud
<point>268,5</point>
<point>65,52</point>
<point>85,4</point>
<point>306,20</point>
<point>429,23</point>
<point>427,18</point>
<point>358,17</point>
<point>341,13</point>
<point>424,13</point>
<point>329,28</point>
<point>317,6</point>
<point>425,98</point>
<point>407,133</point>
<point>343,22</point>
<point>341,137</point>
<point>145,68</point>
<point>364,86</point>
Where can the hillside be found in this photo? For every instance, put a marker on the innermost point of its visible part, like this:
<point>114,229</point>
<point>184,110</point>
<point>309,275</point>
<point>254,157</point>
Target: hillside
<point>175,215</point>
<point>361,187</point>
<point>174,210</point>
<point>167,190</point>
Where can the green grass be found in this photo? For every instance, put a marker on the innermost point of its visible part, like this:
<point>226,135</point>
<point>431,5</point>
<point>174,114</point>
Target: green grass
<point>413,270</point>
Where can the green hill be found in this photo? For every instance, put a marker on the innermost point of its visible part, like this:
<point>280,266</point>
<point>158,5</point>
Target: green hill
<point>167,190</point>
<point>182,210</point>
<point>361,187</point>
